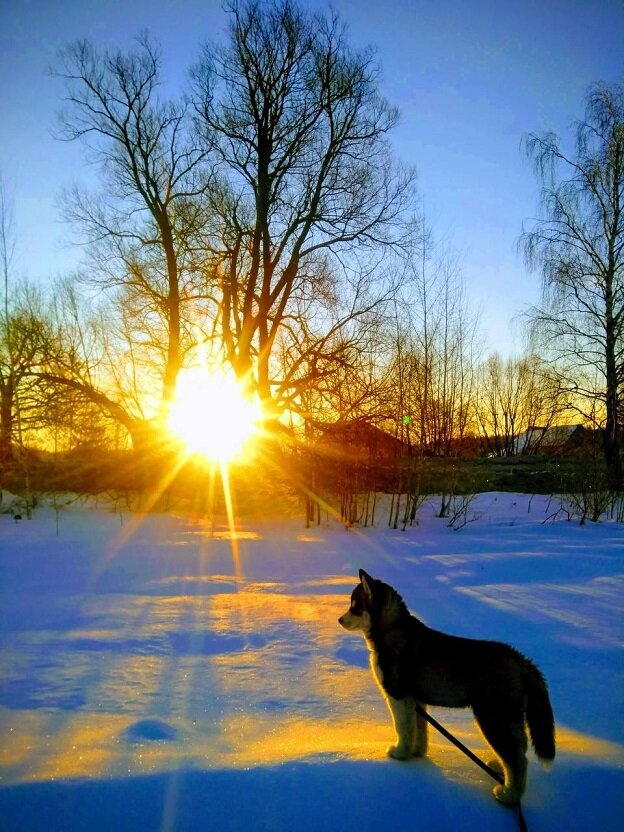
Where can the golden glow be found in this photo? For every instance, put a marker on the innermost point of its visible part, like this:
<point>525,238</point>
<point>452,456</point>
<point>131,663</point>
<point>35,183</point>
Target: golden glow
<point>41,745</point>
<point>211,414</point>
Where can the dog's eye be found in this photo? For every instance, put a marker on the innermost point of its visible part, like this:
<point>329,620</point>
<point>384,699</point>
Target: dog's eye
<point>354,606</point>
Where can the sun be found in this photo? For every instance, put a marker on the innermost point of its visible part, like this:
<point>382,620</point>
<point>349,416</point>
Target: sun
<point>211,415</point>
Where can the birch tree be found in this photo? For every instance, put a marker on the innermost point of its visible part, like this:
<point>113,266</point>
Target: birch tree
<point>578,244</point>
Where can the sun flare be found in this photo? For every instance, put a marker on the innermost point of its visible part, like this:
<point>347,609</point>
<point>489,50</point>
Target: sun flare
<point>211,415</point>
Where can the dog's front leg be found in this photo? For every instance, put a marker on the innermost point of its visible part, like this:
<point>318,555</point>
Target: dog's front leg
<point>403,719</point>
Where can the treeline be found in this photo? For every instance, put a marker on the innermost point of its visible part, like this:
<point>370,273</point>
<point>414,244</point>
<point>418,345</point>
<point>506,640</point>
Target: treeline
<point>262,216</point>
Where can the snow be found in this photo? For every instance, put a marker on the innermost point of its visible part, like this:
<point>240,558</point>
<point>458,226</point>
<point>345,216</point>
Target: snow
<point>159,674</point>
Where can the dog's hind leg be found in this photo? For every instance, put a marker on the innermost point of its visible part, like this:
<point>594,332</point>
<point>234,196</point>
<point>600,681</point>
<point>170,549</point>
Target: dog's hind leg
<point>507,736</point>
<point>419,732</point>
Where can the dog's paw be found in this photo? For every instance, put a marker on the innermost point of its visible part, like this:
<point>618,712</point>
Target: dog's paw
<point>505,796</point>
<point>399,752</point>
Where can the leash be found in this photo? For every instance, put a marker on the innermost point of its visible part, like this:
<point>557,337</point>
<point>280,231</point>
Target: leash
<point>434,722</point>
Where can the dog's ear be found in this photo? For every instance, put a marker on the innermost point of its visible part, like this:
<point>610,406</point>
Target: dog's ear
<point>366,581</point>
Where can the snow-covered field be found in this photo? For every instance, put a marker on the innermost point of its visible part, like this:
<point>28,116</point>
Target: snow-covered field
<point>155,675</point>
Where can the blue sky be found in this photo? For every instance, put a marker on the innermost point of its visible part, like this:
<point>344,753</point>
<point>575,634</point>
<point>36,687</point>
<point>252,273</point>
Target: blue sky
<point>470,78</point>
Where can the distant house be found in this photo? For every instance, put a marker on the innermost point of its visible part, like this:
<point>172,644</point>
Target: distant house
<point>550,440</point>
<point>359,442</point>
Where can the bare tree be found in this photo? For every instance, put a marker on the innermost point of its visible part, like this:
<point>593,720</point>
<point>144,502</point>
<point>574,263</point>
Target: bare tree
<point>322,345</point>
<point>298,128</point>
<point>435,347</point>
<point>515,396</point>
<point>442,354</point>
<point>7,243</point>
<point>578,243</point>
<point>7,248</point>
<point>94,360</point>
<point>142,228</point>
<point>23,337</point>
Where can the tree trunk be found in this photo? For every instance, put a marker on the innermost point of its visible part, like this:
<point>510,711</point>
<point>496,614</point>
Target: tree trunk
<point>6,422</point>
<point>612,441</point>
<point>172,367</point>
<point>613,430</point>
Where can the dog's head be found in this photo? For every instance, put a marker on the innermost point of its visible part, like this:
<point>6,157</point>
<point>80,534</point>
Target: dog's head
<point>358,616</point>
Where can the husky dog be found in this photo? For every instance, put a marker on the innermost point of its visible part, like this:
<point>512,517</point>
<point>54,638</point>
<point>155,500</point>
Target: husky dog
<point>414,664</point>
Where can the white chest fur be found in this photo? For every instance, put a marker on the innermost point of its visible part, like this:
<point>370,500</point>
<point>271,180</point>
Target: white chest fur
<point>374,663</point>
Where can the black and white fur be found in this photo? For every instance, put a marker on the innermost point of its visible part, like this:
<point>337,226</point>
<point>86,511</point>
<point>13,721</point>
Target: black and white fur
<point>414,664</point>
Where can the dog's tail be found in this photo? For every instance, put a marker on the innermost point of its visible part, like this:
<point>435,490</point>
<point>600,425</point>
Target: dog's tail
<point>539,714</point>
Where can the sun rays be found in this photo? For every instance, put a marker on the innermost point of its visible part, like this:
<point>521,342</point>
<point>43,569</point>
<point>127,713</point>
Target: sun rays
<point>212,424</point>
<point>216,421</point>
